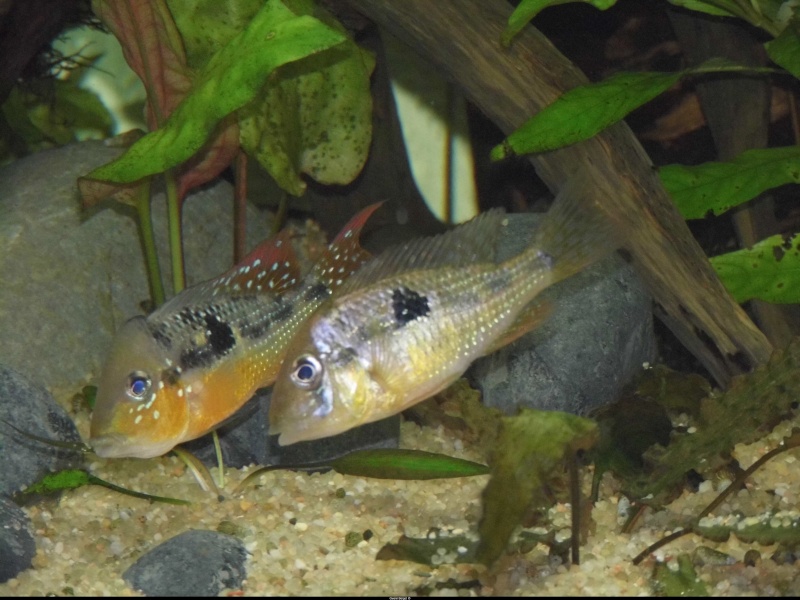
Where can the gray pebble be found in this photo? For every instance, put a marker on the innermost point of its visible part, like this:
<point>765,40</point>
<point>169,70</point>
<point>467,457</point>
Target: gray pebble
<point>194,563</point>
<point>17,547</point>
<point>30,408</point>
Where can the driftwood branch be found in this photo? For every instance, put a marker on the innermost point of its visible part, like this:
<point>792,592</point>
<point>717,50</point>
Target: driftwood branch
<point>461,38</point>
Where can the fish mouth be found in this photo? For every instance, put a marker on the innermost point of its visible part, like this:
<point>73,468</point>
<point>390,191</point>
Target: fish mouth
<point>116,446</point>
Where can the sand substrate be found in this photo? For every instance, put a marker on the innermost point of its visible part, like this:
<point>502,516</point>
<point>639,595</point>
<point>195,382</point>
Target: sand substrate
<point>295,527</point>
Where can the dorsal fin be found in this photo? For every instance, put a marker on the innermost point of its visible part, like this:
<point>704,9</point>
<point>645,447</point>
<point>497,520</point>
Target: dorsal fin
<point>269,267</point>
<point>473,242</point>
<point>344,255</point>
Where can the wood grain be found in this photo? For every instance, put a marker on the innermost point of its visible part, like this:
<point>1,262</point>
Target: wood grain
<point>461,38</point>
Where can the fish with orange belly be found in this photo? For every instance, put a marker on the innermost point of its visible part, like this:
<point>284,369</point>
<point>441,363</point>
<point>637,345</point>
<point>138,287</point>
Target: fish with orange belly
<point>178,373</point>
<point>412,320</point>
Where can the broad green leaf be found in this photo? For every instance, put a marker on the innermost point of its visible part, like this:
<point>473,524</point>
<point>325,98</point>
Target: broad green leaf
<point>718,186</point>
<point>586,110</point>
<point>770,270</point>
<point>152,47</point>
<point>405,464</point>
<point>314,118</point>
<point>784,50</point>
<point>530,449</point>
<point>207,25</point>
<point>232,78</point>
<point>527,9</point>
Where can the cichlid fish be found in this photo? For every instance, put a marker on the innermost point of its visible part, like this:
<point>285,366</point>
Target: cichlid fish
<point>412,320</point>
<point>178,373</point>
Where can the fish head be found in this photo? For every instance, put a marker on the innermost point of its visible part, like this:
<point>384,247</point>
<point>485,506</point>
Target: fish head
<point>141,409</point>
<point>319,394</point>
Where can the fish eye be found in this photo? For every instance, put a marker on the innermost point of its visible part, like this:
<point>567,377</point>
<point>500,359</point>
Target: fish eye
<point>307,373</point>
<point>138,385</point>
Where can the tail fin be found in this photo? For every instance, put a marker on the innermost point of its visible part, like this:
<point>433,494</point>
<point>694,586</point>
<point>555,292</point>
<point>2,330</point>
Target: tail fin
<point>577,231</point>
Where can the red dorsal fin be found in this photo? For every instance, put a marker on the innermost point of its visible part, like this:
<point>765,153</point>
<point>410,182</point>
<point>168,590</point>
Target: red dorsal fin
<point>269,267</point>
<point>345,255</point>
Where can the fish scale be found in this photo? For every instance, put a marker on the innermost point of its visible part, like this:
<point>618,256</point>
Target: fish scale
<point>413,319</point>
<point>180,372</point>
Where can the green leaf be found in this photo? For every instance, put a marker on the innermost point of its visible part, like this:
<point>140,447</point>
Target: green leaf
<point>527,9</point>
<point>718,9</point>
<point>428,551</point>
<point>405,464</point>
<point>315,118</point>
<point>769,271</point>
<point>71,479</point>
<point>530,450</point>
<point>586,110</point>
<point>719,186</point>
<point>207,25</point>
<point>230,80</point>
<point>682,581</point>
<point>784,50</point>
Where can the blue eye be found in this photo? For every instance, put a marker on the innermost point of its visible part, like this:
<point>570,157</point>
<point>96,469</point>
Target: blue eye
<point>307,372</point>
<point>138,385</point>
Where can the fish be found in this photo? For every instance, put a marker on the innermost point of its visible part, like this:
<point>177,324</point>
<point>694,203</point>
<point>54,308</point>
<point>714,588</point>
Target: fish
<point>178,373</point>
<point>412,320</point>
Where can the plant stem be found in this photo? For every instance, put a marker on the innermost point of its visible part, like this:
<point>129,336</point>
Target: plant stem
<point>175,238</point>
<point>240,207</point>
<point>149,244</point>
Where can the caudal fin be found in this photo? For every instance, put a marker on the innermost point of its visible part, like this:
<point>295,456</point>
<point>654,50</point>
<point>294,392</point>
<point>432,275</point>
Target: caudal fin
<point>577,231</point>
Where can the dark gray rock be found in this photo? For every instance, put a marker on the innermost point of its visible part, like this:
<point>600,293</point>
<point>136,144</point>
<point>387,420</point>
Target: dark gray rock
<point>245,440</point>
<point>194,563</point>
<point>30,408</point>
<point>597,337</point>
<point>17,547</point>
<point>72,277</point>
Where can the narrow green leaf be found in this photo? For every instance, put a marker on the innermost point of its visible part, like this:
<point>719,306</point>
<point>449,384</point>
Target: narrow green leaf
<point>527,9</point>
<point>405,464</point>
<point>71,479</point>
<point>720,8</point>
<point>784,50</point>
<point>530,450</point>
<point>51,483</point>
<point>427,551</point>
<point>586,110</point>
<point>719,186</point>
<point>230,80</point>
<point>769,271</point>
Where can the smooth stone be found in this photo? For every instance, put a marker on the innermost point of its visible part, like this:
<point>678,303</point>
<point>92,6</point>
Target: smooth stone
<point>194,563</point>
<point>72,277</point>
<point>17,547</point>
<point>30,408</point>
<point>595,340</point>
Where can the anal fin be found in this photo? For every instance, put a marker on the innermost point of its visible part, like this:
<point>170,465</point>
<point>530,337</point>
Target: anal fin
<point>533,315</point>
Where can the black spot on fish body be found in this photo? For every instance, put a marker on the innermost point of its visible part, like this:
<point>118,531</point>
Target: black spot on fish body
<point>319,291</point>
<point>409,305</point>
<point>220,335</point>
